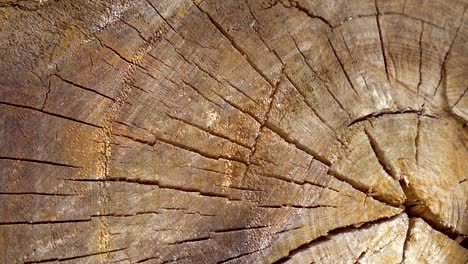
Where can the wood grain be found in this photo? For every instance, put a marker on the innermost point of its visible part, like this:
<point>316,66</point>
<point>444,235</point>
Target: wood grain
<point>251,131</point>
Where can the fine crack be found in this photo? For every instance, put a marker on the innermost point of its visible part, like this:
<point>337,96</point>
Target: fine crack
<point>459,98</point>
<point>74,257</point>
<point>377,17</point>
<point>185,147</point>
<point>263,122</point>
<point>39,162</point>
<point>411,224</point>
<point>83,87</point>
<point>342,67</point>
<point>51,114</point>
<point>213,133</point>
<point>234,44</point>
<point>316,75</point>
<point>420,59</point>
<point>380,156</point>
<point>332,233</point>
<point>446,57</point>
<point>157,184</point>
<point>38,193</point>
<point>303,9</point>
<point>419,112</point>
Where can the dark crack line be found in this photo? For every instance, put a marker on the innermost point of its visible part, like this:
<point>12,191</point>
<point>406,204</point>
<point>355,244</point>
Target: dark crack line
<point>50,114</point>
<point>156,183</point>
<point>39,194</point>
<point>284,135</point>
<point>447,55</point>
<point>416,141</point>
<point>419,112</point>
<point>420,59</point>
<point>294,181</point>
<point>270,50</point>
<point>358,187</point>
<point>127,215</point>
<point>185,147</point>
<point>75,257</point>
<point>83,87</point>
<point>377,17</point>
<point>207,170</point>
<point>194,88</point>
<point>213,133</point>
<point>229,102</point>
<point>361,256</point>
<point>380,156</point>
<point>234,44</point>
<point>241,255</point>
<point>113,50</point>
<point>45,222</point>
<point>239,229</point>
<point>316,113</point>
<point>46,97</point>
<point>40,162</point>
<point>303,9</point>
<point>193,240</point>
<point>160,15</point>
<point>342,67</point>
<point>133,27</point>
<point>318,77</point>
<point>407,238</point>
<point>459,98</point>
<point>166,21</point>
<point>263,122</point>
<point>332,233</point>
<point>241,91</point>
<point>297,206</point>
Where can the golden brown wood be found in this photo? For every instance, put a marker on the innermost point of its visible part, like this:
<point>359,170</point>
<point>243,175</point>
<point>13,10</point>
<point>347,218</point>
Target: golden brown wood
<point>235,131</point>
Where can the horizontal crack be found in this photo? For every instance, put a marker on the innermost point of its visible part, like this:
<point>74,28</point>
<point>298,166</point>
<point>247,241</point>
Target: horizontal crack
<point>75,257</point>
<point>40,162</point>
<point>419,112</point>
<point>157,184</point>
<point>50,114</point>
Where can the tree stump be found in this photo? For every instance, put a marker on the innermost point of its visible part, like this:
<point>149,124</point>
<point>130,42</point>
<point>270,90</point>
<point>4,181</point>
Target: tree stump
<point>234,131</point>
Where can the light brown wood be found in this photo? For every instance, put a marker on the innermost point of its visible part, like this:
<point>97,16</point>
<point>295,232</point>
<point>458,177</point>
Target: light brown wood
<point>235,131</point>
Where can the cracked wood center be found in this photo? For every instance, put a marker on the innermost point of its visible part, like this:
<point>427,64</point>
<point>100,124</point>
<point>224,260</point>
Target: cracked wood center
<point>234,131</point>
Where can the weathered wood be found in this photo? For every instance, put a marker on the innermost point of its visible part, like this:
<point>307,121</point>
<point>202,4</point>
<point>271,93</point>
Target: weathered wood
<point>251,131</point>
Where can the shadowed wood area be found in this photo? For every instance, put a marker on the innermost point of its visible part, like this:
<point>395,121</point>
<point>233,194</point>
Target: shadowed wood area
<point>234,131</point>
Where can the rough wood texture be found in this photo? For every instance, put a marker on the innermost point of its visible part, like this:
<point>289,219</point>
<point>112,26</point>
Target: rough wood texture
<point>234,131</point>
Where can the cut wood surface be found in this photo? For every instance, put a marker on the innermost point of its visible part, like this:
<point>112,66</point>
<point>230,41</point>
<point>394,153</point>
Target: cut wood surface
<point>234,131</point>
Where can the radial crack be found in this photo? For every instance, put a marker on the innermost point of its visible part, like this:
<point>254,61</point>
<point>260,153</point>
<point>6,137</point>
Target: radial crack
<point>420,59</point>
<point>74,257</point>
<point>50,114</point>
<point>380,156</point>
<point>39,162</point>
<point>377,17</point>
<point>342,67</point>
<point>442,68</point>
<point>332,233</point>
<point>301,8</point>
<point>83,87</point>
<point>234,44</point>
<point>459,98</point>
<point>213,133</point>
